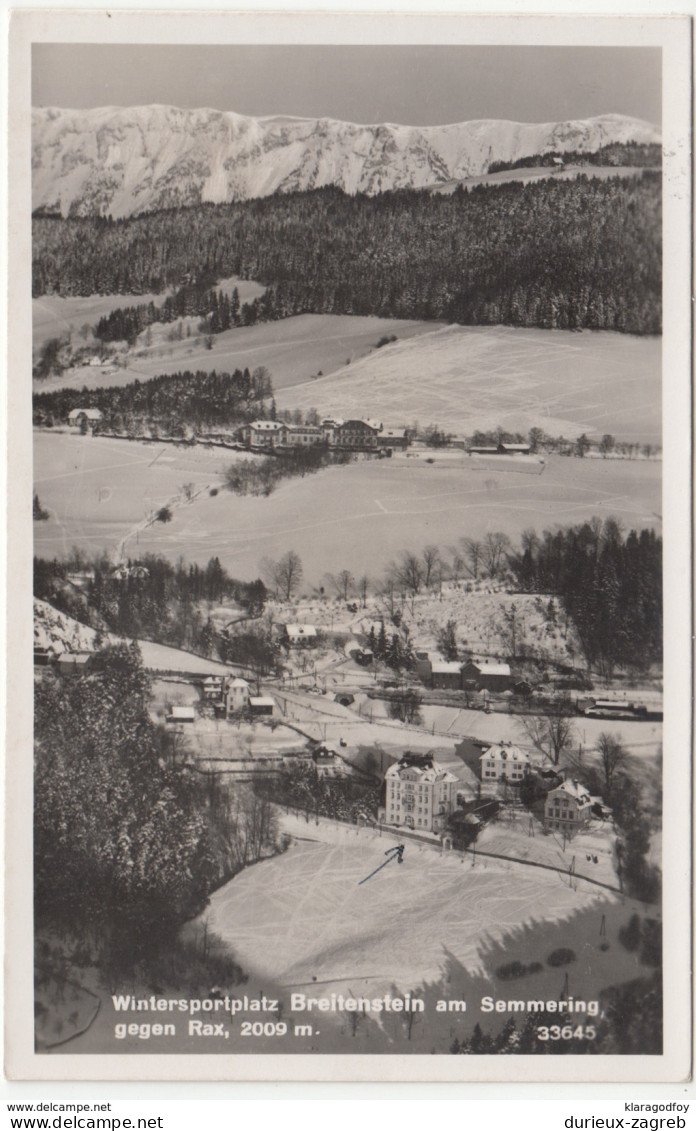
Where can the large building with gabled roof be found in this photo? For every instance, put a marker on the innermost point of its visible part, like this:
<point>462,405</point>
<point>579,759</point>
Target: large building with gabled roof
<point>419,793</point>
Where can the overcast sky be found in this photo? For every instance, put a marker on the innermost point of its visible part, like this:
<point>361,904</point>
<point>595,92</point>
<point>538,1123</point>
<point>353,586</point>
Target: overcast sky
<point>408,85</point>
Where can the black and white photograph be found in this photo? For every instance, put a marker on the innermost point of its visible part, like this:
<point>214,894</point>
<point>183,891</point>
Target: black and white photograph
<point>359,416</point>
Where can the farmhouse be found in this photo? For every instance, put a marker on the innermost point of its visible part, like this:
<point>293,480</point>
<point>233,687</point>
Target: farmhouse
<point>568,808</point>
<point>486,676</point>
<point>420,794</point>
<point>504,763</point>
<point>84,416</point>
<point>301,635</point>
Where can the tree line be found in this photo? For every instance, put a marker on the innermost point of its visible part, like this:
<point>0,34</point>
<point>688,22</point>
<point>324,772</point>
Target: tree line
<point>559,254</point>
<point>610,586</point>
<point>218,310</point>
<point>168,403</point>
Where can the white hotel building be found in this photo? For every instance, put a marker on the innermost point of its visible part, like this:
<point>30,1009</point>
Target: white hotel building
<point>420,794</point>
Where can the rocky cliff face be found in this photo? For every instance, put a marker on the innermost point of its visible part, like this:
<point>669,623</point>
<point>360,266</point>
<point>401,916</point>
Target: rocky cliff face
<point>121,161</point>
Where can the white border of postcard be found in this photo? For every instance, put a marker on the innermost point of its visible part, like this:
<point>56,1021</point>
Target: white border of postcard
<point>673,34</point>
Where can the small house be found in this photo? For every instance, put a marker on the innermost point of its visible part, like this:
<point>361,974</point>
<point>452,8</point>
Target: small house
<point>301,635</point>
<point>74,663</point>
<point>261,704</point>
<point>212,688</point>
<point>486,676</point>
<point>516,449</point>
<point>87,417</point>
<point>180,714</point>
<point>393,439</point>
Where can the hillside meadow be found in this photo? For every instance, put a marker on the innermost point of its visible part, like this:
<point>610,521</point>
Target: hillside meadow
<point>467,377</point>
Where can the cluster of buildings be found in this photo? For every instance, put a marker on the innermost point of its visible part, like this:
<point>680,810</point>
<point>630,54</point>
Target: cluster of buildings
<point>421,794</point>
<point>334,434</point>
<point>230,695</point>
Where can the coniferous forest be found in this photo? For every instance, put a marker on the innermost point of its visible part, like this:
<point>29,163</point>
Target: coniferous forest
<point>557,254</point>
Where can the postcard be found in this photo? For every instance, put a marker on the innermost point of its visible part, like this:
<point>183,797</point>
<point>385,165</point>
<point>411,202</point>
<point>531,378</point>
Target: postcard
<point>349,667</point>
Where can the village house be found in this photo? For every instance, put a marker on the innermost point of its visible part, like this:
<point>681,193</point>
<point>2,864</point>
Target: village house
<point>261,704</point>
<point>212,688</point>
<point>180,714</point>
<point>504,762</point>
<point>501,449</point>
<point>325,761</point>
<point>568,808</point>
<point>236,696</point>
<point>301,635</point>
<point>393,439</point>
<point>74,663</point>
<point>264,435</point>
<point>84,417</point>
<point>420,794</point>
<point>446,675</point>
<point>484,676</point>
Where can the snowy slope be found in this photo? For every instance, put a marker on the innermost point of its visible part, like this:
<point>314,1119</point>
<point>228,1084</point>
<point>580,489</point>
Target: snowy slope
<point>134,159</point>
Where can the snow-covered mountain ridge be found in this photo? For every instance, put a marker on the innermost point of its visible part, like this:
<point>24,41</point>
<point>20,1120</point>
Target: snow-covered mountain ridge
<point>125,160</point>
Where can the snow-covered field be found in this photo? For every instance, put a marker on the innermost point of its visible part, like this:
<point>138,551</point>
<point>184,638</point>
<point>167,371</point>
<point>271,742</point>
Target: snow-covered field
<point>464,377</point>
<point>358,517</point>
<point>305,920</point>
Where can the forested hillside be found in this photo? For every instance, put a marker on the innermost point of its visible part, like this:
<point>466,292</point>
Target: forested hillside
<point>573,254</point>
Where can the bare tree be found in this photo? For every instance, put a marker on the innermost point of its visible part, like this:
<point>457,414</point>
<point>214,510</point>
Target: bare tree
<point>343,582</point>
<point>473,551</point>
<point>389,593</point>
<point>457,565</point>
<point>285,575</point>
<point>612,754</point>
<point>363,586</point>
<point>552,731</point>
<point>495,548</point>
<point>410,575</point>
<point>431,559</point>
